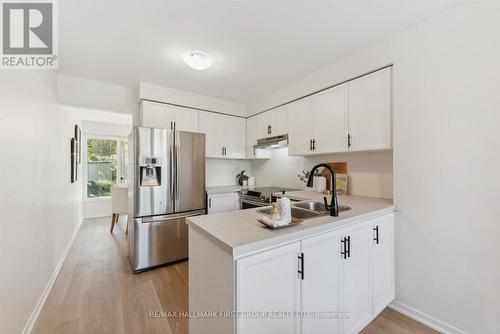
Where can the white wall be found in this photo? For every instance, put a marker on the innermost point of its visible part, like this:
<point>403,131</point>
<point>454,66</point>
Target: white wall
<point>370,174</point>
<point>221,172</point>
<point>446,78</point>
<point>40,209</point>
<point>84,93</point>
<point>180,97</point>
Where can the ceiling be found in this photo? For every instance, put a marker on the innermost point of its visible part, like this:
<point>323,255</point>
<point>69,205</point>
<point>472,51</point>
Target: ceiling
<point>257,47</point>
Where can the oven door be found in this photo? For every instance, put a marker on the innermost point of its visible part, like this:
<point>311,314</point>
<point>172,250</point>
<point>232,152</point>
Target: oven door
<point>246,203</point>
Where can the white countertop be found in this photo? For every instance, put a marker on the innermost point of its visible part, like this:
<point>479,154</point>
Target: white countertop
<point>239,233</point>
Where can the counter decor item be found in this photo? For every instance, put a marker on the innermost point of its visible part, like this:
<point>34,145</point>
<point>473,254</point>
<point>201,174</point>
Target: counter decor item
<point>280,214</point>
<point>304,176</point>
<point>319,183</point>
<point>251,181</point>
<point>342,177</point>
<point>241,177</point>
<point>74,160</point>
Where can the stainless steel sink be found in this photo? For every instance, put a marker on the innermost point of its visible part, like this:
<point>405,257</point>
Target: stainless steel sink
<point>296,213</point>
<point>318,207</point>
<point>307,210</point>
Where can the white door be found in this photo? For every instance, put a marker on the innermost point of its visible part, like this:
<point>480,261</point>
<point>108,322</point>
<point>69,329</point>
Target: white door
<point>356,283</point>
<point>269,281</point>
<point>370,116</point>
<point>264,124</point>
<point>382,263</point>
<point>300,132</point>
<point>234,137</point>
<point>222,203</point>
<point>155,115</point>
<point>320,286</point>
<point>331,120</point>
<point>211,125</point>
<point>186,119</point>
<point>280,120</point>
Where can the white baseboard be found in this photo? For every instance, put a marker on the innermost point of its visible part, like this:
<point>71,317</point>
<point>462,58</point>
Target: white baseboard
<point>425,319</point>
<point>38,307</point>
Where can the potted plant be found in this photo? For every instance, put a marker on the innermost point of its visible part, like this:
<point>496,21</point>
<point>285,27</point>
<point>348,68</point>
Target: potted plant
<point>319,181</point>
<point>241,177</point>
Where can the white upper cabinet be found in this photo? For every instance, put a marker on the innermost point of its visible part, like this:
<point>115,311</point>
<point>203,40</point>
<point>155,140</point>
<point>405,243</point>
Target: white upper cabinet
<point>211,125</point>
<point>280,117</point>
<point>331,120</point>
<point>155,115</point>
<point>264,124</point>
<point>225,135</point>
<point>234,137</point>
<point>300,132</point>
<point>185,119</point>
<point>166,116</point>
<point>357,112</point>
<point>273,122</point>
<point>370,115</point>
<point>252,140</point>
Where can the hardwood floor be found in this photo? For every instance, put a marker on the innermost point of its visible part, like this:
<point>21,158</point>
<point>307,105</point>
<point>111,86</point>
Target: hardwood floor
<point>96,292</point>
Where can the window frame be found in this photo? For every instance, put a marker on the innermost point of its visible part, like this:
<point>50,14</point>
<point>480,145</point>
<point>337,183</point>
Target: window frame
<point>119,162</point>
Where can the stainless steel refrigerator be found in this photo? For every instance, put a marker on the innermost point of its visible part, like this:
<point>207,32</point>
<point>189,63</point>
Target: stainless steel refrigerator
<point>166,185</point>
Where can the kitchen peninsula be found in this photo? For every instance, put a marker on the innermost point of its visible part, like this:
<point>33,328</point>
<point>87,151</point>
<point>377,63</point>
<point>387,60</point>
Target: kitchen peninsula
<point>327,274</point>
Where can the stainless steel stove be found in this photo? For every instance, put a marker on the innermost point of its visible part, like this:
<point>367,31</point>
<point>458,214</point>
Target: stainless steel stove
<point>260,196</point>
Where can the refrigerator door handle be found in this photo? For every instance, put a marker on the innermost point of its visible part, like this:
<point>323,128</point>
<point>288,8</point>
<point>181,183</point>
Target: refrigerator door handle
<point>171,171</point>
<point>177,157</point>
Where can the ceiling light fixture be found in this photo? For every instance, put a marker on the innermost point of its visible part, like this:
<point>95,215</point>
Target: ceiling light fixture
<point>197,60</point>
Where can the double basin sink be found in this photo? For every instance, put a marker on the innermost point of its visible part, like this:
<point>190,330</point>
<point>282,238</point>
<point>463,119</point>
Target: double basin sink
<point>307,210</point>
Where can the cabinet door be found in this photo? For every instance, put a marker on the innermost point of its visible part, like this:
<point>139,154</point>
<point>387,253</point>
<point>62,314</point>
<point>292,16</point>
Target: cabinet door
<point>268,281</point>
<point>186,119</point>
<point>370,116</point>
<point>279,124</point>
<point>331,120</point>
<point>382,263</point>
<point>222,203</point>
<point>156,115</point>
<point>264,125</point>
<point>234,137</point>
<point>320,286</point>
<point>211,125</point>
<point>252,140</point>
<point>356,293</point>
<point>300,131</point>
<point>251,137</point>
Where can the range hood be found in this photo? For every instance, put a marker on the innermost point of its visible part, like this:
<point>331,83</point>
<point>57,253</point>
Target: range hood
<point>272,142</point>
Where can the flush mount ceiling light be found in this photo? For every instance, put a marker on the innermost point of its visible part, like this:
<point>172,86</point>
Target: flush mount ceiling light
<point>197,60</point>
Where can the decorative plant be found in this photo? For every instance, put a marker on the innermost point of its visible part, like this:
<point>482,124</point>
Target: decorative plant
<point>305,175</point>
<point>241,177</point>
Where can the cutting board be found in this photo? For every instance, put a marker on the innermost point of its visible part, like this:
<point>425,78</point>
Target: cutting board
<point>339,167</point>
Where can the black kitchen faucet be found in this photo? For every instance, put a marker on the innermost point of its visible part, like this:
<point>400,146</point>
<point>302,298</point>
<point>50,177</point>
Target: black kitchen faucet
<point>334,206</point>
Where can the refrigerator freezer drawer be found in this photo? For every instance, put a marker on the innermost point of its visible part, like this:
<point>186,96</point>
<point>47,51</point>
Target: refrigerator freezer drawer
<point>160,240</point>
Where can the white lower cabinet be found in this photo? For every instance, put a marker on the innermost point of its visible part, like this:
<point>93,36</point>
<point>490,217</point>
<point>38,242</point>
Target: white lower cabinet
<point>355,288</point>
<point>382,263</point>
<point>338,280</point>
<point>268,282</point>
<point>320,287</point>
<point>223,202</point>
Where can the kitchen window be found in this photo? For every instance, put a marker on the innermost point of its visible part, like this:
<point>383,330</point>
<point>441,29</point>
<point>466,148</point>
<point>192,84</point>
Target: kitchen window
<point>106,165</point>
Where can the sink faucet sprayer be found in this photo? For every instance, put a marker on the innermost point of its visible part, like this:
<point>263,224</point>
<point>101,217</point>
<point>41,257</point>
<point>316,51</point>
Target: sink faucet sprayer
<point>334,206</point>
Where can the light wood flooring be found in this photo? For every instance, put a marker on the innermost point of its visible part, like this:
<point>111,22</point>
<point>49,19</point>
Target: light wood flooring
<point>96,292</point>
